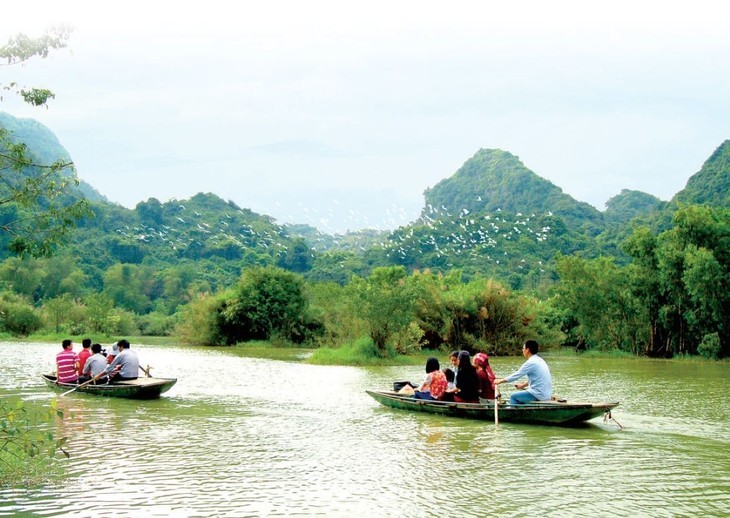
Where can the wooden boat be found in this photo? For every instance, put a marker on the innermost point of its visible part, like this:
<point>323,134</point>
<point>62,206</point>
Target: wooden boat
<point>141,388</point>
<point>539,412</point>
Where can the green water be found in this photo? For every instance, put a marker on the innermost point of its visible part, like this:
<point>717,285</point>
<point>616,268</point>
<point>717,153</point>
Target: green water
<point>252,437</point>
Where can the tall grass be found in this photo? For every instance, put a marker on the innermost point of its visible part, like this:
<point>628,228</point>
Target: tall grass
<point>363,352</point>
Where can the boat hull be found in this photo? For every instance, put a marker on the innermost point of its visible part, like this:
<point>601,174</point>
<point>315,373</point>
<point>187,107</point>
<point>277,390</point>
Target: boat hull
<point>539,412</point>
<point>141,388</point>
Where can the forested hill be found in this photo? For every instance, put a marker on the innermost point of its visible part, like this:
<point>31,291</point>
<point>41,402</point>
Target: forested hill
<point>492,217</point>
<point>43,145</point>
<point>630,204</point>
<point>494,179</point>
<point>711,184</point>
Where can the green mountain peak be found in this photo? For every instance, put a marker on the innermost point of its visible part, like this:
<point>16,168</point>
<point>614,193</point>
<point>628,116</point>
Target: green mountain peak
<point>494,179</point>
<point>711,184</point>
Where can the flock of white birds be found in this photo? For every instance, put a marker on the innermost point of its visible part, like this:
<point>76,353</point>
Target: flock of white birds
<point>437,231</point>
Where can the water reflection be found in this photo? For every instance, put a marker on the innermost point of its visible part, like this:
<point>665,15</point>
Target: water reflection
<point>241,436</point>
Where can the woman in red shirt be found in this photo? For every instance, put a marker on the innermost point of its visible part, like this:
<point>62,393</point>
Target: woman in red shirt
<point>486,376</point>
<point>434,385</point>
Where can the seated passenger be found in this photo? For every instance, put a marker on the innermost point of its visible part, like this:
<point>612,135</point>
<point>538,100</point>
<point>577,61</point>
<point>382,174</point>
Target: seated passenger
<point>448,394</point>
<point>94,366</point>
<point>110,356</point>
<point>434,384</point>
<point>486,376</point>
<point>67,364</point>
<point>467,380</point>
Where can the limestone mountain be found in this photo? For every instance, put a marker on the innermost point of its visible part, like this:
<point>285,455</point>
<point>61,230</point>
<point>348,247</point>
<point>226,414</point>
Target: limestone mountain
<point>630,204</point>
<point>494,179</point>
<point>492,217</point>
<point>44,147</point>
<point>711,184</point>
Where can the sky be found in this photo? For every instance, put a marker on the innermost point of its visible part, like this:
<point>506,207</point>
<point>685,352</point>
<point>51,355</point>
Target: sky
<point>341,114</point>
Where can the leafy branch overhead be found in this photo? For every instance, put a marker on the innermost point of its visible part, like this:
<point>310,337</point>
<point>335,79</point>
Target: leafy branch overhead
<point>37,209</point>
<point>22,48</point>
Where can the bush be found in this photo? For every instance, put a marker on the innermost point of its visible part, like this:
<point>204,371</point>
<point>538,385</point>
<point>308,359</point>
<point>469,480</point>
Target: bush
<point>156,324</point>
<point>408,340</point>
<point>198,322</point>
<point>19,319</point>
<point>360,352</point>
<point>710,346</point>
<point>124,322</point>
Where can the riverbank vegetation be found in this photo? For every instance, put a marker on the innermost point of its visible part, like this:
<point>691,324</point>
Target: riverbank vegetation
<point>669,298</point>
<point>498,255</point>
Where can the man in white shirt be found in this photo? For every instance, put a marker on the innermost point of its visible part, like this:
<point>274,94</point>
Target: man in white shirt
<point>539,384</point>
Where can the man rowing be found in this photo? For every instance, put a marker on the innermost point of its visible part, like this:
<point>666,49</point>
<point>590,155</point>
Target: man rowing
<point>539,384</point>
<point>125,365</point>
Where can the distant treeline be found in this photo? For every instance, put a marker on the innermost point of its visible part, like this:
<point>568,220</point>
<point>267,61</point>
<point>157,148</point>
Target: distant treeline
<point>671,298</point>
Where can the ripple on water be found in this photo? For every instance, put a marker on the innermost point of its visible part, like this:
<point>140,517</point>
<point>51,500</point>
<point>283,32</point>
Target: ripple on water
<point>228,441</point>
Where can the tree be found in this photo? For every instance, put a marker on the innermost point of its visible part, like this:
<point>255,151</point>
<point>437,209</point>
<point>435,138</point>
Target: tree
<point>385,302</point>
<point>682,278</point>
<point>297,257</point>
<point>58,310</point>
<point>268,301</point>
<point>36,210</point>
<point>597,294</point>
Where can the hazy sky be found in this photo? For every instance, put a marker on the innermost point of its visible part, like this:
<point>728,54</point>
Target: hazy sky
<point>340,114</point>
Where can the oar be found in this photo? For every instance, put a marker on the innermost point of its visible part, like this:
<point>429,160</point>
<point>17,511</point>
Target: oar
<point>83,384</point>
<point>496,407</point>
<point>146,371</point>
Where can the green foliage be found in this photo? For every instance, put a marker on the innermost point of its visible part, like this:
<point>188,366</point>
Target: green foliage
<point>332,305</point>
<point>18,318</point>
<point>408,339</point>
<point>628,205</point>
<point>710,185</point>
<point>59,312</point>
<point>478,315</point>
<point>198,322</point>
<point>100,315</point>
<point>132,287</point>
<point>297,257</point>
<point>37,210</point>
<point>710,346</point>
<point>673,296</point>
<point>22,48</point>
<point>267,302</point>
<point>360,352</point>
<point>496,180</point>
<point>385,302</point>
<point>603,313</point>
<point>27,442</point>
<point>155,324</point>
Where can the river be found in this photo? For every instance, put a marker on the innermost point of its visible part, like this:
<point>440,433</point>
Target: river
<point>239,436</point>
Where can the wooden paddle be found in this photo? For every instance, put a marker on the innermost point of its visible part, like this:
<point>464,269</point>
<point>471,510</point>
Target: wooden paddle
<point>83,384</point>
<point>496,408</point>
<point>146,371</point>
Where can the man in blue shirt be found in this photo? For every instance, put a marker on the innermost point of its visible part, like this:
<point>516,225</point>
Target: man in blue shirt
<point>539,384</point>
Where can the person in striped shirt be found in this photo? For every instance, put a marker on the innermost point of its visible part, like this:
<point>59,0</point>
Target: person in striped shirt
<point>67,364</point>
